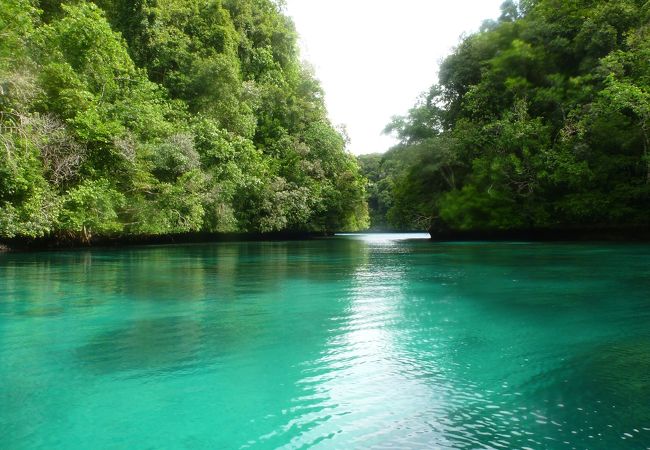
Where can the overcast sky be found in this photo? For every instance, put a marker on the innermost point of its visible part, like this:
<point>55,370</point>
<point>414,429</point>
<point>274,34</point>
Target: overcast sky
<point>374,57</point>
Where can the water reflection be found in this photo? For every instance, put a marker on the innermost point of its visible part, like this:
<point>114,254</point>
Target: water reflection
<point>357,341</point>
<point>346,389</point>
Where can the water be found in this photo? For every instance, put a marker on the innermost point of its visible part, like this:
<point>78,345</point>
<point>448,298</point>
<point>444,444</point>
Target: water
<point>343,343</point>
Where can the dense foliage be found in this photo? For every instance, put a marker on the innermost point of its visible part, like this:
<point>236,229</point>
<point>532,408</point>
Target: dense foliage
<point>384,172</point>
<point>540,120</point>
<point>164,116</point>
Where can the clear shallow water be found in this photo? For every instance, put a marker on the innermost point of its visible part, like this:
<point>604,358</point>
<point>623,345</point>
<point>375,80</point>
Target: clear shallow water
<point>352,342</point>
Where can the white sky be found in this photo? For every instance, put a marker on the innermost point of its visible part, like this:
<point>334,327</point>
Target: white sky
<point>374,57</point>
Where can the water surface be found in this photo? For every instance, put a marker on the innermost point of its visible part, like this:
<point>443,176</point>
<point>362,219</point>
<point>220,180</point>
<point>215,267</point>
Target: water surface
<point>359,341</point>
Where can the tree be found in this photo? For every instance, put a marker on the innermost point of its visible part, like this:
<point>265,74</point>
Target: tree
<point>540,120</point>
<point>149,118</point>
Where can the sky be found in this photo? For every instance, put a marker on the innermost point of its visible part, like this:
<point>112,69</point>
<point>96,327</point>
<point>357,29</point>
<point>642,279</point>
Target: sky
<point>375,57</point>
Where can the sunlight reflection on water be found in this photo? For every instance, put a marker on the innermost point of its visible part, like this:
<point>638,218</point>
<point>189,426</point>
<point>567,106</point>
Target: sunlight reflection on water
<point>387,238</point>
<point>356,341</point>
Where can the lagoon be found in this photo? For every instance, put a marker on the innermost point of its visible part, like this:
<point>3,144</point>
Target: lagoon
<point>356,341</point>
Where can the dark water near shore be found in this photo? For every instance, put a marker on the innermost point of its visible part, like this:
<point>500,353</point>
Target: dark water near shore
<point>352,342</point>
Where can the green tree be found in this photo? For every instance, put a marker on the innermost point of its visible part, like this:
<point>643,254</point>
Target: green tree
<point>540,120</point>
<point>153,117</point>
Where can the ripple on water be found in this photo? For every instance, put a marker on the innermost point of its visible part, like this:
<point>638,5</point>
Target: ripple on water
<point>356,342</point>
<point>152,344</point>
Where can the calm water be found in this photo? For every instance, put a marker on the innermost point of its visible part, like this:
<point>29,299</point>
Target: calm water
<point>343,343</point>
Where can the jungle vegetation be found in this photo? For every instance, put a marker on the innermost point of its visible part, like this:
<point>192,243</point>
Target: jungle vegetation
<point>153,117</point>
<point>540,120</point>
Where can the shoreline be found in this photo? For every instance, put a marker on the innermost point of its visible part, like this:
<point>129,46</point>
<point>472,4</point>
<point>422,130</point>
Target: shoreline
<point>52,243</point>
<point>629,234</point>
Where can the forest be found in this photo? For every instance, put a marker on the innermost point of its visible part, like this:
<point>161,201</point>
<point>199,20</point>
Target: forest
<point>154,117</point>
<point>540,120</point>
<point>157,117</point>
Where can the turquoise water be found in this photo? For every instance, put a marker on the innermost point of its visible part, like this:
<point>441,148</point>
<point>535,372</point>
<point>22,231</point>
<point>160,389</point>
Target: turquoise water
<point>352,342</point>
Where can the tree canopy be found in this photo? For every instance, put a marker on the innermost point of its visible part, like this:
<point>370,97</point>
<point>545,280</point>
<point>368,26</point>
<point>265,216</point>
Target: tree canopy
<point>539,121</point>
<point>165,116</point>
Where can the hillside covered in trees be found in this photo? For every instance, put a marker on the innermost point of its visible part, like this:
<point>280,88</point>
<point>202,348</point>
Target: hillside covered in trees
<point>164,116</point>
<point>540,121</point>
